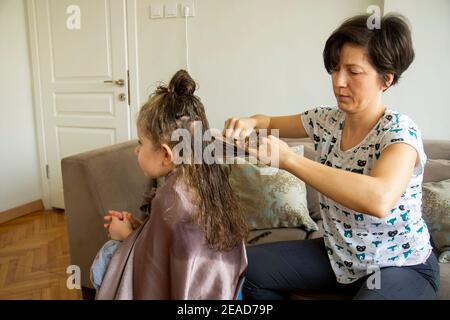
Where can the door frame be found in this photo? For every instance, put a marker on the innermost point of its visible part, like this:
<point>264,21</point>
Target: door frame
<point>133,68</point>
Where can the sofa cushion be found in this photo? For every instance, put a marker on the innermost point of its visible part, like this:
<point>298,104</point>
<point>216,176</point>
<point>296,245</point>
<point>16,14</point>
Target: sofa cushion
<point>312,195</point>
<point>437,149</point>
<point>436,212</point>
<point>270,197</point>
<point>436,170</point>
<point>276,235</point>
<point>444,289</point>
<point>318,233</point>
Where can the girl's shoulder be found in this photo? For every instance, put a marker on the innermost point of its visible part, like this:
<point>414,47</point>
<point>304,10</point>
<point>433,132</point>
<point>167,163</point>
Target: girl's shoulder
<point>173,201</point>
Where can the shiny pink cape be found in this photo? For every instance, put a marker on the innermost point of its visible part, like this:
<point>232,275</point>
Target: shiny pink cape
<point>168,258</point>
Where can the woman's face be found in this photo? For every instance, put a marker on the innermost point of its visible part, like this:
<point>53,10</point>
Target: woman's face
<point>356,83</point>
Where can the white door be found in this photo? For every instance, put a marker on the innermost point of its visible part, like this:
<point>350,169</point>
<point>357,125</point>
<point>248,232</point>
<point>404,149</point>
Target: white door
<point>82,59</point>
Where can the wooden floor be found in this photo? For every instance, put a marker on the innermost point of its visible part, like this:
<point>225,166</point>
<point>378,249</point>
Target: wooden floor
<point>34,256</point>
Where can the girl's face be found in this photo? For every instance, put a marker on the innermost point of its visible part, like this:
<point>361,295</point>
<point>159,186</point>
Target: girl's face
<point>154,161</point>
<point>356,83</point>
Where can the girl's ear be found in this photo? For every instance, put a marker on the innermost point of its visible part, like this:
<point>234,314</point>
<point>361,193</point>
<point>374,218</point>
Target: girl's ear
<point>167,155</point>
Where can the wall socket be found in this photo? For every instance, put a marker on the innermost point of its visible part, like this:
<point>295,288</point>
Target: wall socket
<point>170,9</point>
<point>156,10</point>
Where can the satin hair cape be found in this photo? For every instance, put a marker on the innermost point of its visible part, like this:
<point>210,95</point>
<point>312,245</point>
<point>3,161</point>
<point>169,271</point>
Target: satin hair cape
<point>167,257</point>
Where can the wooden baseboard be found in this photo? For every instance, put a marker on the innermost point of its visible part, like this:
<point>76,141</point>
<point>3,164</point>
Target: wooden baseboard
<point>14,213</point>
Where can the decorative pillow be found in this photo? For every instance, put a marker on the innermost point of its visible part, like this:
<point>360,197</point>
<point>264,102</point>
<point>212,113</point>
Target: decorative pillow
<point>436,211</point>
<point>312,196</point>
<point>271,200</point>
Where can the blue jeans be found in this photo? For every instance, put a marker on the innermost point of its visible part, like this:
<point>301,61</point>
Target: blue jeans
<point>277,269</point>
<point>101,262</point>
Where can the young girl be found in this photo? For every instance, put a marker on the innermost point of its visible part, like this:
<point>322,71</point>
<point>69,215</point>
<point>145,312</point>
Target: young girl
<point>191,246</point>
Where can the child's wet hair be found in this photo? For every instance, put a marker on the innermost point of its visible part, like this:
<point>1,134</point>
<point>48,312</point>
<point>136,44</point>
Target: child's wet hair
<point>176,106</point>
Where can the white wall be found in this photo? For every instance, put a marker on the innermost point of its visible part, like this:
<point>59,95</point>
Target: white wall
<point>424,92</point>
<point>20,181</point>
<point>265,56</point>
<point>249,56</point>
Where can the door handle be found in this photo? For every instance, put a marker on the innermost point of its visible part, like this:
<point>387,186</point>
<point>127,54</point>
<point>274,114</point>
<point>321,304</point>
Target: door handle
<point>119,82</point>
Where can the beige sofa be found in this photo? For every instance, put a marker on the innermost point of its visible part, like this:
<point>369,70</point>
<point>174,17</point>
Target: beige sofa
<point>109,178</point>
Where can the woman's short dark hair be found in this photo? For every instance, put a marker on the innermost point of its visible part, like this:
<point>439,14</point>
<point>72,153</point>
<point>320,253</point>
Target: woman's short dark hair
<point>389,48</point>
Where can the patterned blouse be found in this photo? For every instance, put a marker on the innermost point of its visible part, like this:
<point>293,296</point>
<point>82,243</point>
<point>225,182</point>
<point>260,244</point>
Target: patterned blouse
<point>357,242</point>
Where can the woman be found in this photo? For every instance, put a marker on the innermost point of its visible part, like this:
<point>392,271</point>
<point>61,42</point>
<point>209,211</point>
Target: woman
<point>369,179</point>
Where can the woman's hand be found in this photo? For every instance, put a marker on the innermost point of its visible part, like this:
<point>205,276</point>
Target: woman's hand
<point>272,151</point>
<point>239,128</point>
<point>119,229</point>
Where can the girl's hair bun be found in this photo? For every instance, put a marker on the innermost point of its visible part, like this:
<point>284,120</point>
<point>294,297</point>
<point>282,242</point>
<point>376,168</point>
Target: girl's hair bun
<point>182,84</point>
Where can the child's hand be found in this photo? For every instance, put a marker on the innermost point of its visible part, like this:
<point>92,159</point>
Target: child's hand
<point>108,217</point>
<point>119,229</point>
<point>135,223</point>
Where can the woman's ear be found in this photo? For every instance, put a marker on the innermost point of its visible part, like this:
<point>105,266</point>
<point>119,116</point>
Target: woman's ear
<point>387,84</point>
<point>167,155</point>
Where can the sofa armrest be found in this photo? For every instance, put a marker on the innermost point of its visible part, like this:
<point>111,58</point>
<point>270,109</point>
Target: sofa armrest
<point>95,182</point>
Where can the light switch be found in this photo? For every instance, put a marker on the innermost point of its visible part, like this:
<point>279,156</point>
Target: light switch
<point>171,10</point>
<point>189,7</point>
<point>156,11</point>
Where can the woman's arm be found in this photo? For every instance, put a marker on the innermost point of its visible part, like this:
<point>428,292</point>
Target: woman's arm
<point>288,126</point>
<point>375,194</point>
